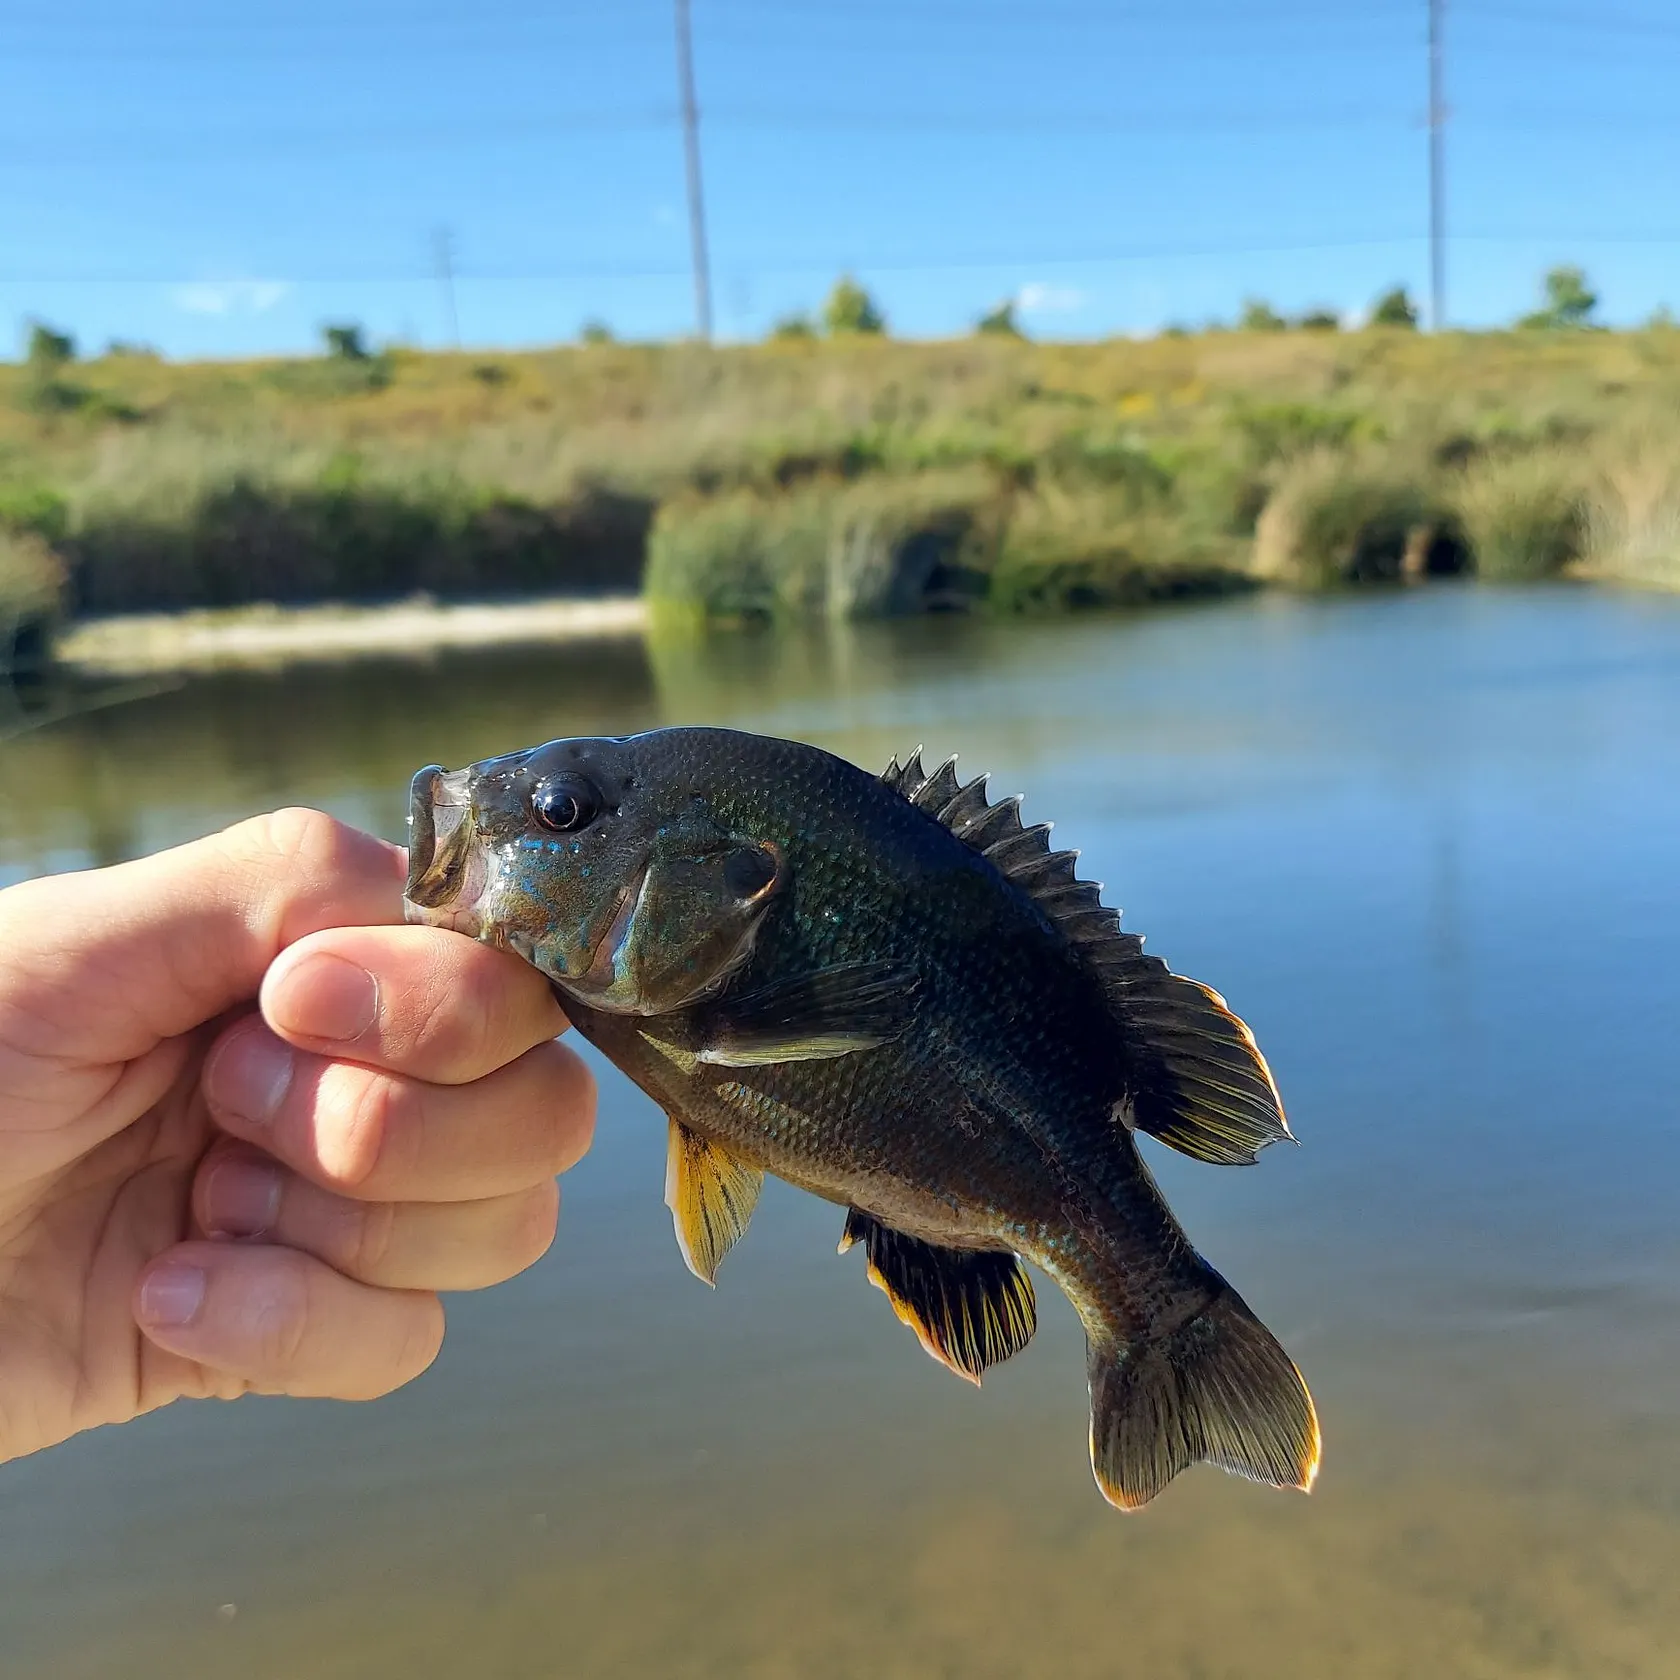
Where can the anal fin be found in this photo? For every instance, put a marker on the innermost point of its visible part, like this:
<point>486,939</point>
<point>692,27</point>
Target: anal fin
<point>711,1195</point>
<point>969,1307</point>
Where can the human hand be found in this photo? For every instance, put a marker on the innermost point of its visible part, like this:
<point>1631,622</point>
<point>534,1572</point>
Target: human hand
<point>201,1197</point>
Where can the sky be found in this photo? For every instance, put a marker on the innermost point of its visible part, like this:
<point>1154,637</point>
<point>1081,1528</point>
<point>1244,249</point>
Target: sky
<point>220,179</point>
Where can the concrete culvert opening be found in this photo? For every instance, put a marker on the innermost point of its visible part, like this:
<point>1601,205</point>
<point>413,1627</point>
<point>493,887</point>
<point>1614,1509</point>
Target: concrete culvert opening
<point>932,571</point>
<point>1435,551</point>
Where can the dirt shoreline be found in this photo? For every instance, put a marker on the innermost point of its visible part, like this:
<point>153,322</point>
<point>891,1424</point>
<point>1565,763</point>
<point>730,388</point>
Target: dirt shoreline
<point>270,635</point>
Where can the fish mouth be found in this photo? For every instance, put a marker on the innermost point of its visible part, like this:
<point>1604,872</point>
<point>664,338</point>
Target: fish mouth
<point>446,870</point>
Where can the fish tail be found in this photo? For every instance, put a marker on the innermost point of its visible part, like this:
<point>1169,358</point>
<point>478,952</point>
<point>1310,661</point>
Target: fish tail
<point>1217,1390</point>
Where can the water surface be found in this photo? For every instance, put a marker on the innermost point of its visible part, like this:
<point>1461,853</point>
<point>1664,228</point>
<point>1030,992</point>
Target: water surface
<point>1425,844</point>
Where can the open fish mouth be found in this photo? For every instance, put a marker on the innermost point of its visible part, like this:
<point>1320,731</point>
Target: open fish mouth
<point>446,867</point>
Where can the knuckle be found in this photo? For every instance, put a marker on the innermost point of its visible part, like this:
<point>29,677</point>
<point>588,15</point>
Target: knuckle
<point>574,1097</point>
<point>535,1222</point>
<point>419,1341</point>
<point>357,1123</point>
<point>371,1242</point>
<point>276,1312</point>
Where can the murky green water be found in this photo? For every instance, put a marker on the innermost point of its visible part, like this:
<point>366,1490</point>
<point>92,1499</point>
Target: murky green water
<point>1426,844</point>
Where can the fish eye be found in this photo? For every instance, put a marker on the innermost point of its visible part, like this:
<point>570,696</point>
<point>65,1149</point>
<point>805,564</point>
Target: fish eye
<point>566,803</point>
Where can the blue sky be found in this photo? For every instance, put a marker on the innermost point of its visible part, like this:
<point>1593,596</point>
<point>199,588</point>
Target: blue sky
<point>219,179</point>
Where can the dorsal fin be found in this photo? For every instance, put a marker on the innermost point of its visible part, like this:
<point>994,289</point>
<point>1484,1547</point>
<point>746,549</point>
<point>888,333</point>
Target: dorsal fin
<point>1200,1083</point>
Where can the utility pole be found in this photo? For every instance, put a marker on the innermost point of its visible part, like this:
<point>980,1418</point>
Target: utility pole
<point>1437,176</point>
<point>443,244</point>
<point>691,154</point>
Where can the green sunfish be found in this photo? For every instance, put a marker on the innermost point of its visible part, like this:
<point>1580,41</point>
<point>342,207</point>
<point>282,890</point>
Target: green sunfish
<point>889,992</point>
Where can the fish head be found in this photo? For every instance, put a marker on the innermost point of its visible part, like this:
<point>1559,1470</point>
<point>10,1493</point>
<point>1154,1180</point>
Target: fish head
<point>613,877</point>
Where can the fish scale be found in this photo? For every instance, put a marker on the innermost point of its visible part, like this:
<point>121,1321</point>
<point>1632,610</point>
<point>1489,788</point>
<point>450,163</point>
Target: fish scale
<point>888,992</point>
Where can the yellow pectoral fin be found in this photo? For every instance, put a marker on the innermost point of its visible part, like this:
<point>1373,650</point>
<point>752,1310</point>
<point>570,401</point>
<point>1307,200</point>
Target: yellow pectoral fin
<point>711,1196</point>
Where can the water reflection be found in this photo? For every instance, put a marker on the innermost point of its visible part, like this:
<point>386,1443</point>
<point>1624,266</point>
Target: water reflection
<point>1426,844</point>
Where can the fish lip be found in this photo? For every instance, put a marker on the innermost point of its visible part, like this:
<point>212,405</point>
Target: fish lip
<point>422,826</point>
<point>441,854</point>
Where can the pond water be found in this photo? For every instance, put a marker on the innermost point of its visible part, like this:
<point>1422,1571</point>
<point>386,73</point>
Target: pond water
<point>1425,843</point>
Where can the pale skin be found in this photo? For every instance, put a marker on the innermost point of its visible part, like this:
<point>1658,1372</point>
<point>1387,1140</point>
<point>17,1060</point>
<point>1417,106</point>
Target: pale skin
<point>251,1126</point>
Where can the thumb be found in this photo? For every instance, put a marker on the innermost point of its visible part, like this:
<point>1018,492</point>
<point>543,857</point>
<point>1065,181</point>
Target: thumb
<point>102,966</point>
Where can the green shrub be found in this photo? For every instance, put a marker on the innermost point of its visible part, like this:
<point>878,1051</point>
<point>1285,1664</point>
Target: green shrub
<point>793,328</point>
<point>1334,518</point>
<point>850,309</point>
<point>1569,302</point>
<point>345,535</point>
<point>1522,516</point>
<point>1395,309</point>
<point>738,557</point>
<point>1000,322</point>
<point>345,342</point>
<point>882,547</point>
<point>1065,552</point>
<point>595,332</point>
<point>1320,320</point>
<point>47,352</point>
<point>34,507</point>
<point>1259,316</point>
<point>32,580</point>
<point>1279,431</point>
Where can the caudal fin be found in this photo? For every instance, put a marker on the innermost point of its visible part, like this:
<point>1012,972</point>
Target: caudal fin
<point>1218,1390</point>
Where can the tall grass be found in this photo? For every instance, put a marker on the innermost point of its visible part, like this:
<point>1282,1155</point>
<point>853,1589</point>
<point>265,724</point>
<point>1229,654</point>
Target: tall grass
<point>1523,517</point>
<point>1633,521</point>
<point>854,475</point>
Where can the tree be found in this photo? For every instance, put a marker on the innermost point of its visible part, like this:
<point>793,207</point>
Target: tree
<point>1395,309</point>
<point>791,327</point>
<point>1000,322</point>
<point>47,350</point>
<point>1320,320</point>
<point>595,332</point>
<point>1569,301</point>
<point>1259,316</point>
<point>344,342</point>
<point>850,309</point>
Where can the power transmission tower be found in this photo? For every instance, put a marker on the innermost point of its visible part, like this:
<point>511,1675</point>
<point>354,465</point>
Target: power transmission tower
<point>443,243</point>
<point>691,154</point>
<point>1437,176</point>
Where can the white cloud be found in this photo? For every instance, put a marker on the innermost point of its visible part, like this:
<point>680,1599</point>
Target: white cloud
<point>230,297</point>
<point>1040,297</point>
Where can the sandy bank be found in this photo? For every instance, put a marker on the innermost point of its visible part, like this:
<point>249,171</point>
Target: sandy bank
<point>268,635</point>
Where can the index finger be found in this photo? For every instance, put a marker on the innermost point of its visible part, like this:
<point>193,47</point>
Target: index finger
<point>116,959</point>
<point>420,1001</point>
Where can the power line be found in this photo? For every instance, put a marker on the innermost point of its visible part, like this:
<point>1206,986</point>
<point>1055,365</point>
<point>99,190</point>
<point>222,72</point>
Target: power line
<point>885,264</point>
<point>691,165</point>
<point>444,249</point>
<point>1437,176</point>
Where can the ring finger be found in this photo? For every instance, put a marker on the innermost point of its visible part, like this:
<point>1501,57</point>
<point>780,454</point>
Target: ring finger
<point>240,1192</point>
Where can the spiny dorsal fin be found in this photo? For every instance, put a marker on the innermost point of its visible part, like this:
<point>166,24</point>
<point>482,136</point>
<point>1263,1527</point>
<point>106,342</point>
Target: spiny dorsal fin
<point>1201,1084</point>
<point>969,1307</point>
<point>711,1196</point>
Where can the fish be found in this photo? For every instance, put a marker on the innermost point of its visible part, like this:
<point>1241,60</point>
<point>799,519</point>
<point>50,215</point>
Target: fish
<point>891,992</point>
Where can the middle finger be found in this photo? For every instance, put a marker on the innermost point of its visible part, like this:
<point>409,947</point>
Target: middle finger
<point>379,1136</point>
<point>240,1192</point>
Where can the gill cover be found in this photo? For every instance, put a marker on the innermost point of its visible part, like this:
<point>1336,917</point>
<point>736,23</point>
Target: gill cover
<point>683,924</point>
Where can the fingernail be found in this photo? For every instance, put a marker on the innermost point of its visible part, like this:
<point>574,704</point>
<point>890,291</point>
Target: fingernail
<point>249,1075</point>
<point>241,1197</point>
<point>326,997</point>
<point>171,1296</point>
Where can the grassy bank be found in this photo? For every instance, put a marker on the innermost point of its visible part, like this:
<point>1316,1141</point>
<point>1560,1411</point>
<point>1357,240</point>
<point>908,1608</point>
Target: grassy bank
<point>849,477</point>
